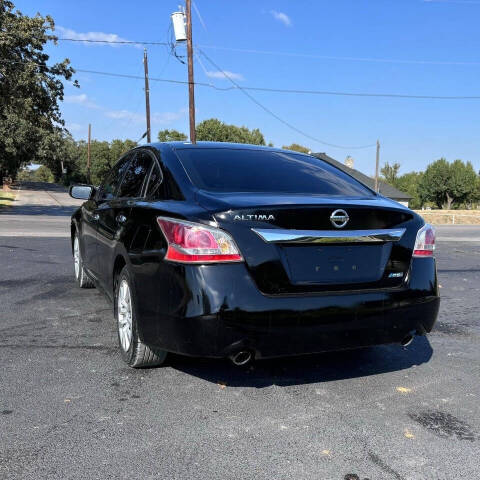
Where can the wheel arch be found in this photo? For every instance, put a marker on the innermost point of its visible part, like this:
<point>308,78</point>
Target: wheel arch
<point>118,265</point>
<point>73,229</point>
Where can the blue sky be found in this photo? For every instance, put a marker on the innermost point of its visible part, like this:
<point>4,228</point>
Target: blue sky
<point>415,47</point>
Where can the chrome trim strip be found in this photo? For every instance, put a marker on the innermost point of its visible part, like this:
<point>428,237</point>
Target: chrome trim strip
<point>274,235</point>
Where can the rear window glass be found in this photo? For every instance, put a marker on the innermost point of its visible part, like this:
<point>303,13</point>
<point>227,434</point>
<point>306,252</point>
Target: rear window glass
<point>231,170</point>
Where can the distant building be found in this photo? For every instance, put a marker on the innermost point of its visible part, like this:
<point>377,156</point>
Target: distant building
<point>349,162</point>
<point>384,188</point>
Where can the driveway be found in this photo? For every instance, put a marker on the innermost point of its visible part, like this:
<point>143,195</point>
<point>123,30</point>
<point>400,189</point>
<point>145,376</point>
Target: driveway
<point>70,409</point>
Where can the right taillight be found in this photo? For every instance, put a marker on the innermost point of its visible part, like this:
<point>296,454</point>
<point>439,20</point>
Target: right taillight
<point>425,242</point>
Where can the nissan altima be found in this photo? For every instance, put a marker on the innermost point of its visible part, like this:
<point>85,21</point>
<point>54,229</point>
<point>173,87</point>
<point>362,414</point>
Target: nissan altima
<point>248,252</point>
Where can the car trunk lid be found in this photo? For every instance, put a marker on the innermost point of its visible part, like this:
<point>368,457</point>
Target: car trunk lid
<point>292,244</point>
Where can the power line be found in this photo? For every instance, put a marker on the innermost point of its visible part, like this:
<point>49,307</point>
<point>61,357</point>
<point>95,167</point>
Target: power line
<point>286,90</point>
<point>286,54</point>
<point>236,86</point>
<point>279,53</point>
<point>119,42</point>
<point>91,40</point>
<point>280,119</point>
<point>330,57</point>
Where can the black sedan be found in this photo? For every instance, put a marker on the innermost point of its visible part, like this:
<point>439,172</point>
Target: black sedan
<point>240,251</point>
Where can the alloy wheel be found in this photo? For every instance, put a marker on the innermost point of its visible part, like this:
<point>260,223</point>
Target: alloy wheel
<point>124,314</point>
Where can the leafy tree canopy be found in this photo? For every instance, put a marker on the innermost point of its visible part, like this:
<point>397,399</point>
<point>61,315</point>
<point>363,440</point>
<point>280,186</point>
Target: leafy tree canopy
<point>30,89</point>
<point>171,136</point>
<point>213,130</point>
<point>390,173</point>
<point>43,174</point>
<point>444,183</point>
<point>297,148</point>
<point>410,183</point>
<point>73,156</point>
<point>103,155</point>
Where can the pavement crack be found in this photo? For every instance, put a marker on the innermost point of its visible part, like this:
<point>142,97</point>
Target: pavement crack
<point>385,467</point>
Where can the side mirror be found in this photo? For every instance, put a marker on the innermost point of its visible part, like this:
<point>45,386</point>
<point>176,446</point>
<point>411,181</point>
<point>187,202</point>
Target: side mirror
<point>81,192</point>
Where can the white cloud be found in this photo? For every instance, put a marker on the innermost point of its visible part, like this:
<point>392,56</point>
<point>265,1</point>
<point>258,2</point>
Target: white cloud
<point>99,36</point>
<point>281,17</point>
<point>125,115</point>
<point>81,99</point>
<point>166,118</point>
<point>223,74</point>
<point>75,127</point>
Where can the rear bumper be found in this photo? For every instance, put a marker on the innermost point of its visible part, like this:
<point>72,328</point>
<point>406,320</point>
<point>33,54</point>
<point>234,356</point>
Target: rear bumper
<point>217,310</point>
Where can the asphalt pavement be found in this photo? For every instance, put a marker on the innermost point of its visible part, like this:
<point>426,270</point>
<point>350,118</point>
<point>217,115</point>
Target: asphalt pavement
<point>70,409</point>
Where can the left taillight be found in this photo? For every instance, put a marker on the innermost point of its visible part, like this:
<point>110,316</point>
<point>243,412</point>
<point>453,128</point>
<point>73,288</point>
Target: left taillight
<point>425,242</point>
<point>190,242</point>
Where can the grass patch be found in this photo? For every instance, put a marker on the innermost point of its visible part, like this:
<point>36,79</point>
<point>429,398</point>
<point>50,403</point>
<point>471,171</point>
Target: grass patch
<point>6,198</point>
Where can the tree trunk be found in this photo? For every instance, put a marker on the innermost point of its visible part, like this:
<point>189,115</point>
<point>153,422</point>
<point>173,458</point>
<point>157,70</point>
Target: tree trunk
<point>449,202</point>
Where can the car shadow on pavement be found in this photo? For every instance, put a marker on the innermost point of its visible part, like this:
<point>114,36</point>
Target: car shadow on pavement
<point>48,187</point>
<point>307,369</point>
<point>50,210</point>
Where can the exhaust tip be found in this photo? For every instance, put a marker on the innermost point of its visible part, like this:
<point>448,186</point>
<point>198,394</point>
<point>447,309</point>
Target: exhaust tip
<point>407,340</point>
<point>241,358</point>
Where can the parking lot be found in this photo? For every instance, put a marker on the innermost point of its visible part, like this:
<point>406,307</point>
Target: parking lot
<point>69,407</point>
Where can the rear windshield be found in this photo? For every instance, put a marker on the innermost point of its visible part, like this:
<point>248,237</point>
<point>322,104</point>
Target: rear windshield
<point>231,170</point>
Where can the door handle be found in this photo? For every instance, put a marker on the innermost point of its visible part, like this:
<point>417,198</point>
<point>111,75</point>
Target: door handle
<point>121,218</point>
<point>95,216</point>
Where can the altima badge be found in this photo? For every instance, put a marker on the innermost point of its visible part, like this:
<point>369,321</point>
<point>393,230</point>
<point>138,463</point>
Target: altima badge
<point>254,217</point>
<point>339,218</point>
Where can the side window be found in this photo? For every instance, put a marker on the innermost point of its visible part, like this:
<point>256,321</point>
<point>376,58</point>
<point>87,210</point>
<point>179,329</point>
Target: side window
<point>154,192</point>
<point>136,175</point>
<point>110,185</point>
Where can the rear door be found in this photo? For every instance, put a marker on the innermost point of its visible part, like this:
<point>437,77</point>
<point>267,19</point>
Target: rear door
<point>114,220</point>
<point>88,234</point>
<point>107,201</point>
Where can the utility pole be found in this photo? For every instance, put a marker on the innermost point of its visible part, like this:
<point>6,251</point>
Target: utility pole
<point>191,86</point>
<point>88,151</point>
<point>377,165</point>
<point>147,95</point>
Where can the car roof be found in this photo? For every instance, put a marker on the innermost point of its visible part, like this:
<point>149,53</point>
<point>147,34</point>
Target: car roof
<point>219,145</point>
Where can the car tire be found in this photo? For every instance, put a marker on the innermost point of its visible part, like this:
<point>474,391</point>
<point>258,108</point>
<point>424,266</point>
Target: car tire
<point>134,352</point>
<point>81,276</point>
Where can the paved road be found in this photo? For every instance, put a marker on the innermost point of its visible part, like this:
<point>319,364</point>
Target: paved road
<point>39,210</point>
<point>458,233</point>
<point>70,409</point>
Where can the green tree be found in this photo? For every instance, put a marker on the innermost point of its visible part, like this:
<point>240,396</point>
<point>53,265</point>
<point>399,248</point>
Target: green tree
<point>213,130</point>
<point>435,185</point>
<point>476,195</point>
<point>410,183</point>
<point>100,161</point>
<point>296,148</point>
<point>58,149</point>
<point>43,174</point>
<point>118,148</point>
<point>464,182</point>
<point>30,89</point>
<point>103,155</point>
<point>25,175</point>
<point>171,136</point>
<point>444,183</point>
<point>390,173</point>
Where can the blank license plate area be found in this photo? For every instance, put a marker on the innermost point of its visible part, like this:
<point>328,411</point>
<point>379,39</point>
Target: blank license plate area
<point>337,264</point>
